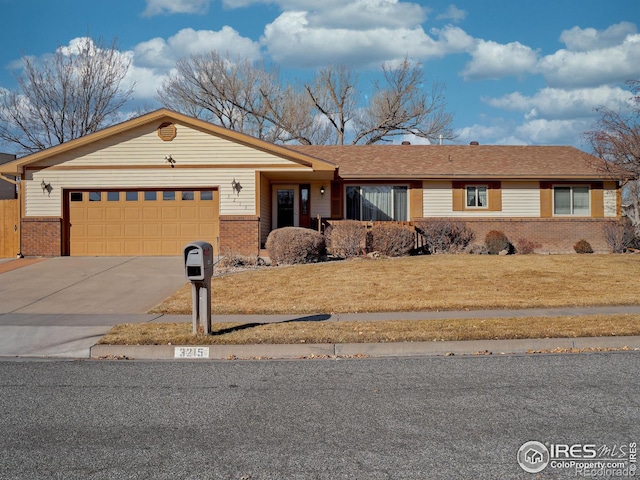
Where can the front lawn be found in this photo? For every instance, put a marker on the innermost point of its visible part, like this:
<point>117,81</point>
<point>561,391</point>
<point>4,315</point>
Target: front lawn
<point>433,282</point>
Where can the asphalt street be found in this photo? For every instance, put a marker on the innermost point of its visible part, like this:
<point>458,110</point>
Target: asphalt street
<point>400,418</point>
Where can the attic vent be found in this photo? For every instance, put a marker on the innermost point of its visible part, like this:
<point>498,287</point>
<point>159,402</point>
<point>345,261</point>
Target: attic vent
<point>406,143</point>
<point>474,143</point>
<point>167,131</point>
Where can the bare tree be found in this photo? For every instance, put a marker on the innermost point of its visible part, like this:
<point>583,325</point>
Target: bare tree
<point>74,92</point>
<point>400,107</point>
<point>222,91</point>
<point>616,139</point>
<point>325,110</point>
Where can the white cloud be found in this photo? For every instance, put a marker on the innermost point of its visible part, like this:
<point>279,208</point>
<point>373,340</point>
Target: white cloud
<point>585,68</point>
<point>584,39</point>
<point>158,52</point>
<point>554,103</point>
<point>170,7</point>
<point>494,60</point>
<point>291,37</point>
<point>453,13</point>
<point>553,132</point>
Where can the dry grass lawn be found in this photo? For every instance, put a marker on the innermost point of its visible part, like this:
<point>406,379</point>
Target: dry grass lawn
<point>379,331</point>
<point>437,282</point>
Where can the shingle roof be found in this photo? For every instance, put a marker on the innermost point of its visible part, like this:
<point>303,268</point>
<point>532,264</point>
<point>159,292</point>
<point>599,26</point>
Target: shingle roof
<point>451,161</point>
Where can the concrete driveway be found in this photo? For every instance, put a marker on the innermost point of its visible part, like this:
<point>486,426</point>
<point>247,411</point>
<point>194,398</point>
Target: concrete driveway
<point>62,306</point>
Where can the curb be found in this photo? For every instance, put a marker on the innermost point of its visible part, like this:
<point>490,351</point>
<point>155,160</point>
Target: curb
<point>349,350</point>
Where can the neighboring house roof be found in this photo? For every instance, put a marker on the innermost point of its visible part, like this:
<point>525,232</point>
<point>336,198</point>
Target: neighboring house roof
<point>463,161</point>
<point>14,167</point>
<point>6,158</point>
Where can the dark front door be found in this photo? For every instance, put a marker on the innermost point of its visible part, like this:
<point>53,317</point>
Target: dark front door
<point>286,200</point>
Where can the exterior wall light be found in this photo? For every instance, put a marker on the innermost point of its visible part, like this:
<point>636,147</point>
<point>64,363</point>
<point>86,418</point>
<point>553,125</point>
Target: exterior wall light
<point>169,159</point>
<point>236,186</point>
<point>322,190</point>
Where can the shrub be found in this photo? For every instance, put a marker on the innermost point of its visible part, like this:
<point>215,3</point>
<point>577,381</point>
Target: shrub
<point>582,246</point>
<point>290,245</point>
<point>392,239</point>
<point>496,241</point>
<point>526,247</point>
<point>444,236</point>
<point>235,260</point>
<point>347,239</point>
<point>620,235</point>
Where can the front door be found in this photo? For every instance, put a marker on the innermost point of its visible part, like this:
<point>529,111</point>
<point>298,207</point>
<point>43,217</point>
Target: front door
<point>286,212</point>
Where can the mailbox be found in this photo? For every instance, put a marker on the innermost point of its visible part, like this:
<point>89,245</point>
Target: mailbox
<point>198,261</point>
<point>198,268</point>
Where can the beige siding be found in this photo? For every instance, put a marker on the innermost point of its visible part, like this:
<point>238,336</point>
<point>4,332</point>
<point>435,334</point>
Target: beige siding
<point>231,203</point>
<point>320,204</point>
<point>142,146</point>
<point>519,199</point>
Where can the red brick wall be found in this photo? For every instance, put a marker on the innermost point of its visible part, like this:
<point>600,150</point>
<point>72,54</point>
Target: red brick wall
<point>41,237</point>
<point>555,235</point>
<point>240,234</point>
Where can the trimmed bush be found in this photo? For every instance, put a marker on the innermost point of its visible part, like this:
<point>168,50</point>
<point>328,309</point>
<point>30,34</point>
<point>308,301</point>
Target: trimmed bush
<point>391,239</point>
<point>496,241</point>
<point>291,245</point>
<point>347,238</point>
<point>526,247</point>
<point>582,246</point>
<point>445,236</point>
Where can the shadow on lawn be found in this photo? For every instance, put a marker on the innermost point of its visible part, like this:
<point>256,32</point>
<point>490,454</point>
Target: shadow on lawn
<point>309,318</point>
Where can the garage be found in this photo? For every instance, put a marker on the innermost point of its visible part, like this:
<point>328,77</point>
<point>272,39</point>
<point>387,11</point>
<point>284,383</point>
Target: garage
<point>140,222</point>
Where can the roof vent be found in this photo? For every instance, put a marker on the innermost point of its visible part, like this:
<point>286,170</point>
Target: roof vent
<point>167,131</point>
<point>474,143</point>
<point>406,143</point>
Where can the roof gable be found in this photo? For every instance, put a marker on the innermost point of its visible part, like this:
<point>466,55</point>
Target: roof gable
<point>159,117</point>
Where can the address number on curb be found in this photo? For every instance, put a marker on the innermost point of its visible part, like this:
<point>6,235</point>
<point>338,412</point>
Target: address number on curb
<point>191,352</point>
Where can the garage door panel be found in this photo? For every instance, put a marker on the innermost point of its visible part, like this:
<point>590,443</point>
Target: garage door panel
<point>95,230</point>
<point>116,226</point>
<point>169,213</point>
<point>96,213</point>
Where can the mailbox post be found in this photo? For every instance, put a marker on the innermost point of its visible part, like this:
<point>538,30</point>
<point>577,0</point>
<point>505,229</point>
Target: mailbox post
<point>198,266</point>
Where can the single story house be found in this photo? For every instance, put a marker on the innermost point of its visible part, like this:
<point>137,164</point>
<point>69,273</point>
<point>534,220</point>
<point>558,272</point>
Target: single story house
<point>151,184</point>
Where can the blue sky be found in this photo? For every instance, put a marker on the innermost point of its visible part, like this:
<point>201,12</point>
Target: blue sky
<point>516,71</point>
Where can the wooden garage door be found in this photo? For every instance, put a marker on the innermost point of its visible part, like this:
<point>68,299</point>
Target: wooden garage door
<point>152,222</point>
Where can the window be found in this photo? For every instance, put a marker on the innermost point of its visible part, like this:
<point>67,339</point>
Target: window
<point>131,196</point>
<point>477,196</point>
<point>113,196</point>
<point>206,195</point>
<point>76,196</point>
<point>571,200</point>
<point>149,196</point>
<point>377,202</point>
<point>95,196</point>
<point>188,195</point>
<point>168,196</point>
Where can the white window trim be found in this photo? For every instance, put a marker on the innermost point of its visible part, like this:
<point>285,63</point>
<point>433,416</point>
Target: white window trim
<point>571,186</point>
<point>360,185</point>
<point>476,186</point>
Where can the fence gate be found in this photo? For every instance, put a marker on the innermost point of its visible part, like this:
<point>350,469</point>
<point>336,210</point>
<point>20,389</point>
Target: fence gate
<point>9,228</point>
